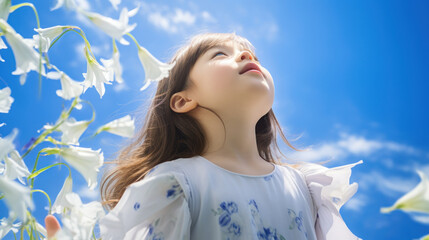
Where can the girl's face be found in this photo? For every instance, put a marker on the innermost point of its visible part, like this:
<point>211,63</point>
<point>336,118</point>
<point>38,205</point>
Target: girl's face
<point>218,84</point>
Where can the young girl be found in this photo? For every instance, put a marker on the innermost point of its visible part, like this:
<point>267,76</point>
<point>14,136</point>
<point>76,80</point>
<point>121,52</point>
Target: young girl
<point>202,167</point>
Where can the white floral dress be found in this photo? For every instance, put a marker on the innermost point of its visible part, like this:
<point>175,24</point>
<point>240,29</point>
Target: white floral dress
<point>193,198</point>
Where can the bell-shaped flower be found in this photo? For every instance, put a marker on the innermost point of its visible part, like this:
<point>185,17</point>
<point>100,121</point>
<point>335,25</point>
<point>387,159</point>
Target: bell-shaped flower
<point>26,57</point>
<point>416,200</point>
<point>154,69</point>
<point>41,229</point>
<point>69,4</point>
<point>81,219</point>
<point>17,198</point>
<point>5,100</point>
<point>7,225</point>
<point>6,144</point>
<point>123,127</point>
<point>96,75</point>
<point>47,35</point>
<point>84,160</point>
<point>69,88</point>
<point>2,46</point>
<point>4,9</point>
<point>115,3</point>
<point>114,28</point>
<point>60,202</point>
<point>15,167</point>
<point>113,64</point>
<point>72,130</point>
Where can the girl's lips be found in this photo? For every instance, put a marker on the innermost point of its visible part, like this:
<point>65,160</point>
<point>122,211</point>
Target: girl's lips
<point>253,70</point>
<point>250,66</point>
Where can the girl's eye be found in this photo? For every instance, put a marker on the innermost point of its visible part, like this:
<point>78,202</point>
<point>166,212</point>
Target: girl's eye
<point>218,53</point>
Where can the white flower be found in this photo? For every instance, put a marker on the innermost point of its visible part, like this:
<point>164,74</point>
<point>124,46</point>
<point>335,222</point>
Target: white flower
<point>154,69</point>
<point>114,65</point>
<point>2,46</point>
<point>69,88</point>
<point>4,9</point>
<point>26,57</point>
<point>84,160</point>
<point>47,35</point>
<point>15,167</point>
<point>416,200</point>
<point>96,75</point>
<point>115,3</point>
<point>5,100</point>
<point>123,127</point>
<point>41,229</point>
<point>6,225</point>
<point>70,4</point>
<point>81,219</point>
<point>60,202</point>
<point>6,144</point>
<point>114,28</point>
<point>17,198</point>
<point>72,130</point>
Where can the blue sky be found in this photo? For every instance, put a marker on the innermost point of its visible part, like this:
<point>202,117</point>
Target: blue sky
<point>349,80</point>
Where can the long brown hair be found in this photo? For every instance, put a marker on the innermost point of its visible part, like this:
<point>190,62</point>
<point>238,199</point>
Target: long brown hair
<point>167,135</point>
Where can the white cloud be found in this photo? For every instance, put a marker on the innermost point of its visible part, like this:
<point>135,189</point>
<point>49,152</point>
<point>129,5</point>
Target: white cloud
<point>160,21</point>
<point>207,17</point>
<point>84,191</point>
<point>83,4</point>
<point>356,203</point>
<point>391,186</point>
<point>183,17</point>
<point>119,87</point>
<point>351,145</point>
<point>173,20</point>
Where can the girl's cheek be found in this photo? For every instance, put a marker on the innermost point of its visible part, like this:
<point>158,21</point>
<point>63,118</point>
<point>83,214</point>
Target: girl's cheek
<point>222,77</point>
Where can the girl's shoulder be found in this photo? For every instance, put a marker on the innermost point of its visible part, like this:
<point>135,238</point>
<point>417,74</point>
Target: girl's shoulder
<point>174,166</point>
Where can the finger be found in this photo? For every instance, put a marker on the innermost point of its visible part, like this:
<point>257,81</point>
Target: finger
<point>52,225</point>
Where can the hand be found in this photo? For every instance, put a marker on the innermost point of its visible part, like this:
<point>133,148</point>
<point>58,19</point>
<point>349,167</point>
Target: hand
<point>52,226</point>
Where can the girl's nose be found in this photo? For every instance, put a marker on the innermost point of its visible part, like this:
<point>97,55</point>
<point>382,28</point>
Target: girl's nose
<point>246,54</point>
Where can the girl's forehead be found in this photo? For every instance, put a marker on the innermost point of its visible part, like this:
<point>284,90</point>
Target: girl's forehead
<point>230,44</point>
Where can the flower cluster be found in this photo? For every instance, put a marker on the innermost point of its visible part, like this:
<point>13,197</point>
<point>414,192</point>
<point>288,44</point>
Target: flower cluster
<point>16,179</point>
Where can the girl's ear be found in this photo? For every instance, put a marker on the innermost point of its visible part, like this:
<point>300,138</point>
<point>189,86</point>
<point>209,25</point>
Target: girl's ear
<point>180,103</point>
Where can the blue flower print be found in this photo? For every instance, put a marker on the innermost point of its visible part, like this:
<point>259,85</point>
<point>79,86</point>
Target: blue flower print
<point>234,228</point>
<point>150,171</point>
<point>174,189</point>
<point>263,233</point>
<point>224,219</point>
<point>228,214</point>
<point>297,221</point>
<point>253,202</point>
<point>268,178</point>
<point>151,234</point>
<point>270,234</point>
<point>230,207</point>
<point>136,206</point>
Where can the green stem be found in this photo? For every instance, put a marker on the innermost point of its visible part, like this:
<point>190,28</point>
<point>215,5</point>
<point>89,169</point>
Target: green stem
<point>134,39</point>
<point>33,175</point>
<point>47,196</point>
<point>69,28</point>
<point>41,137</point>
<point>26,4</point>
<point>82,33</point>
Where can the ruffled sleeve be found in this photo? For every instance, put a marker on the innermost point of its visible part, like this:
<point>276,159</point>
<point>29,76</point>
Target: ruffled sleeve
<point>330,189</point>
<point>155,207</point>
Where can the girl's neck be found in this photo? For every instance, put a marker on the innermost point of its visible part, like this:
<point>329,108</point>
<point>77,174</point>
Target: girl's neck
<point>236,142</point>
